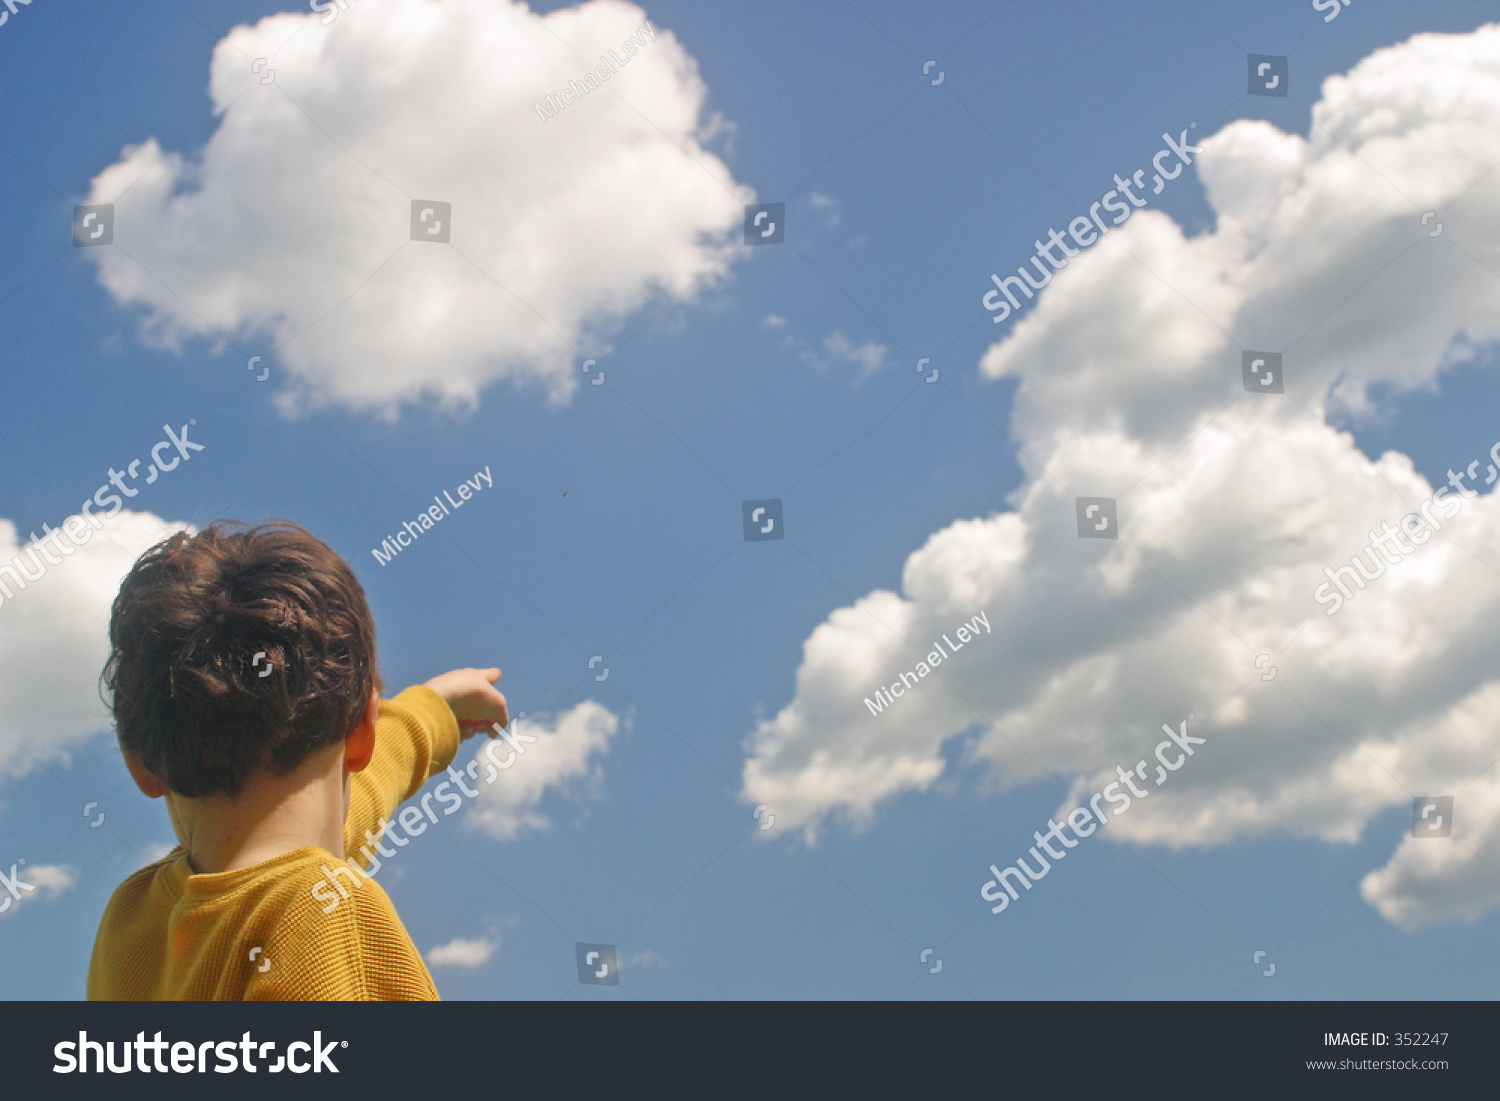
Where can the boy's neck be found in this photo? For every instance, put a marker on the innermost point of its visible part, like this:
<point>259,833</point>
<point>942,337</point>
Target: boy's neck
<point>272,816</point>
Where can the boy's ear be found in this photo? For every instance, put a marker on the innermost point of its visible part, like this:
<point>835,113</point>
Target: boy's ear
<point>150,786</point>
<point>359,746</point>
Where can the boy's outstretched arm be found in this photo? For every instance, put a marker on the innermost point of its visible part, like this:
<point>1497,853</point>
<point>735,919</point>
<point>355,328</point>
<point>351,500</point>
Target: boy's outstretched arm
<point>417,734</point>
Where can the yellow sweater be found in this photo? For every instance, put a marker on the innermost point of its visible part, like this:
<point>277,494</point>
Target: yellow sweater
<point>168,934</point>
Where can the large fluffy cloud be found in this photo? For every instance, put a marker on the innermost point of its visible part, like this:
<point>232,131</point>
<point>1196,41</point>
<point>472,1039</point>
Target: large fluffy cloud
<point>1231,504</point>
<point>54,635</point>
<point>293,227</point>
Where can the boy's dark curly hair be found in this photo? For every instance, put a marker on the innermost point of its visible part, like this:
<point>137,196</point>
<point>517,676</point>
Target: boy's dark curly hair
<point>189,699</point>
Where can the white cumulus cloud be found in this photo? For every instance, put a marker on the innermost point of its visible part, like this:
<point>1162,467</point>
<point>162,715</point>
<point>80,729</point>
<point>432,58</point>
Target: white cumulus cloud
<point>54,634</point>
<point>292,227</point>
<point>1230,506</point>
<point>514,776</point>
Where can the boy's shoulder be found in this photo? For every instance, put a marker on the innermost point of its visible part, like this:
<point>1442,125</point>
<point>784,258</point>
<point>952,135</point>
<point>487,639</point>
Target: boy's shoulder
<point>311,914</point>
<point>131,896</point>
<point>331,932</point>
<point>141,878</point>
<point>304,925</point>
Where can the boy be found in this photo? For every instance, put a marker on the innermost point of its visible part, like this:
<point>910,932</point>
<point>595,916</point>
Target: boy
<point>245,692</point>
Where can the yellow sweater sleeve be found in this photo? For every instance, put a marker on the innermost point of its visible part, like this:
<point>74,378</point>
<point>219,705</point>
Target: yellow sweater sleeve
<point>416,736</point>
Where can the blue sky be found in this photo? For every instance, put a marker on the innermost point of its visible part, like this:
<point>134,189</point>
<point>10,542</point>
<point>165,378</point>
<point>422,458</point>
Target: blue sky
<point>613,527</point>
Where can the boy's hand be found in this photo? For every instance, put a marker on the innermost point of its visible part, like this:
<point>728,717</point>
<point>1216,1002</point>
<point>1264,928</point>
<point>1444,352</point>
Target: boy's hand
<point>472,696</point>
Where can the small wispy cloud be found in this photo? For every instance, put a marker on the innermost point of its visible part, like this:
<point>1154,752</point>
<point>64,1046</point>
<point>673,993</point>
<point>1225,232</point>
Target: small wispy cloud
<point>51,880</point>
<point>829,206</point>
<point>464,952</point>
<point>41,881</point>
<point>840,351</point>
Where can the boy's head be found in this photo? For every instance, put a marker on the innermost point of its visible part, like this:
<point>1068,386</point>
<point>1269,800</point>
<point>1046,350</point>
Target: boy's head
<point>192,702</point>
